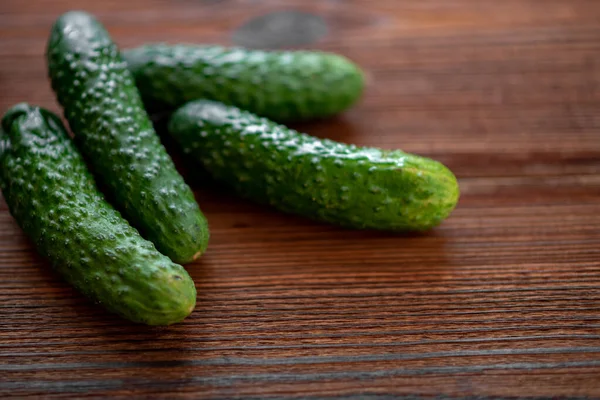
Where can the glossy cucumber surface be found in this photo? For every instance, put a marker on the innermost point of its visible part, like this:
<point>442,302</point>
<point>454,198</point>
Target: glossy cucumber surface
<point>53,197</point>
<point>117,139</point>
<point>320,179</point>
<point>280,85</point>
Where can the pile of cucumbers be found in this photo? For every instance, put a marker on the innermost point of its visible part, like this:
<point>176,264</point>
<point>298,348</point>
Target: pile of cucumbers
<point>123,245</point>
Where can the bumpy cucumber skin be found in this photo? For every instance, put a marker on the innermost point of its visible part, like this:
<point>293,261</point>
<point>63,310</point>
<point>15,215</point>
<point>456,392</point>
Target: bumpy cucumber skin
<point>282,86</point>
<point>117,139</point>
<point>321,179</point>
<point>53,197</point>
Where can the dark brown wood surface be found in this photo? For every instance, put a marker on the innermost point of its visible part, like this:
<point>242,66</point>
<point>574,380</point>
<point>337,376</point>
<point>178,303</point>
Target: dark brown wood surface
<point>503,299</point>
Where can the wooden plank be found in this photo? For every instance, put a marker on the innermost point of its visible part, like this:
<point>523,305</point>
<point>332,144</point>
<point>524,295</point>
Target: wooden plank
<point>502,300</point>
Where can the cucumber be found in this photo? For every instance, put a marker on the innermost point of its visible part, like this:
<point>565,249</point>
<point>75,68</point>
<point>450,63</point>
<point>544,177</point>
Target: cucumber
<point>280,85</point>
<point>117,139</point>
<point>341,184</point>
<point>54,199</point>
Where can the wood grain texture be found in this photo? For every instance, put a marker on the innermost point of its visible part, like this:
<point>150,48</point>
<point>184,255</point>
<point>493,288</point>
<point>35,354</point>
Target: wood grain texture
<point>502,300</point>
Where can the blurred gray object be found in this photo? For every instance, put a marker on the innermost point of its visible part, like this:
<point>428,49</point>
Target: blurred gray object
<point>280,29</point>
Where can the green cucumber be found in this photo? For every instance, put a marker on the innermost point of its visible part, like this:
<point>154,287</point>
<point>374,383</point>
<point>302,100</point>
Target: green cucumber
<point>280,85</point>
<point>321,179</point>
<point>117,139</point>
<point>54,199</point>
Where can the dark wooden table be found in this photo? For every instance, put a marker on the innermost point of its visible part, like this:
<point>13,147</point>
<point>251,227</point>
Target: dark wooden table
<point>503,299</point>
